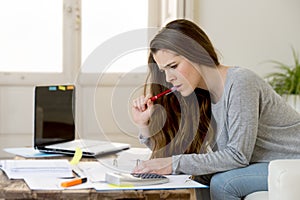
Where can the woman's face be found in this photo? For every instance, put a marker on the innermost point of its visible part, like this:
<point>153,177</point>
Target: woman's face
<point>179,71</point>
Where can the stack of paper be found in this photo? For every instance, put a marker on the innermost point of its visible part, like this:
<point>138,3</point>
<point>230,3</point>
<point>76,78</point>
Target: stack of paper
<point>126,160</point>
<point>18,169</point>
<point>95,172</point>
<point>59,170</point>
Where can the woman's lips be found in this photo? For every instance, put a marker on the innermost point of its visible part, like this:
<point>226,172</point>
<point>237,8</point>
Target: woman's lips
<point>178,87</point>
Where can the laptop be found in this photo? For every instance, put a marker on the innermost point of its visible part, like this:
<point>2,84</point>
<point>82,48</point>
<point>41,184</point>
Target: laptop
<point>54,124</point>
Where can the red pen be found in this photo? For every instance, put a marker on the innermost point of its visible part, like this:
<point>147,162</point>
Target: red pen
<point>173,89</point>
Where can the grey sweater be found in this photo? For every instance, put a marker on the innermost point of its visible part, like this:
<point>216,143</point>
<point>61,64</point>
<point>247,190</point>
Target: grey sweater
<point>253,124</point>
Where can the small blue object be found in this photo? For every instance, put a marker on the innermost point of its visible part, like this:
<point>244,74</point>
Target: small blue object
<point>29,152</point>
<point>52,88</point>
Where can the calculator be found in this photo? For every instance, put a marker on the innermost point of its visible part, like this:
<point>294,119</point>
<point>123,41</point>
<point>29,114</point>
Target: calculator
<point>135,179</point>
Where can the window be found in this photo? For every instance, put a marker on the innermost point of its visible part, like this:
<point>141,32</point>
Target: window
<point>39,38</point>
<point>31,36</point>
<point>104,25</point>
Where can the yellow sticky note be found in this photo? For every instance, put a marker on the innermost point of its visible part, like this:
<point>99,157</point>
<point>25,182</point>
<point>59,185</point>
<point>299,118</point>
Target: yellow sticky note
<point>62,88</point>
<point>77,156</point>
<point>121,186</point>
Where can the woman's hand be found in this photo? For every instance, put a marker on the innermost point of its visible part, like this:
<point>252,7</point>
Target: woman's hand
<point>158,166</point>
<point>141,110</point>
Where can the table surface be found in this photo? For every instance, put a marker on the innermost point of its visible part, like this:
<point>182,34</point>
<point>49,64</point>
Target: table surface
<point>17,189</point>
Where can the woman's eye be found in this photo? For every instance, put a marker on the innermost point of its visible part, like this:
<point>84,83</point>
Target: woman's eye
<point>173,66</point>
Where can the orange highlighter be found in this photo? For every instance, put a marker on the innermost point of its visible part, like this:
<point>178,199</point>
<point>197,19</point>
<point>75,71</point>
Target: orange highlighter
<point>73,182</point>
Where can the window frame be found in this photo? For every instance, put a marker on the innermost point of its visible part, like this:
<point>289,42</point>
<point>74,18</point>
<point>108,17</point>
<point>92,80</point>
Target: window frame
<point>71,49</point>
<point>72,46</point>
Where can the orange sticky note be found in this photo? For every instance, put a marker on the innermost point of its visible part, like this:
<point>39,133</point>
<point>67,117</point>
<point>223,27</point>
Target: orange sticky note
<point>70,87</point>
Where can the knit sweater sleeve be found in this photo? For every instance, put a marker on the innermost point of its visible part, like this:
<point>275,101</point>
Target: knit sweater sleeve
<point>237,139</point>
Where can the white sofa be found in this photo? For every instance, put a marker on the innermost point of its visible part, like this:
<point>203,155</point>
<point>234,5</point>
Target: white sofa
<point>283,182</point>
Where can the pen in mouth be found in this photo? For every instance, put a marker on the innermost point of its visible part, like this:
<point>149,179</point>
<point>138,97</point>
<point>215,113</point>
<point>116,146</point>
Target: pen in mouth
<point>173,89</point>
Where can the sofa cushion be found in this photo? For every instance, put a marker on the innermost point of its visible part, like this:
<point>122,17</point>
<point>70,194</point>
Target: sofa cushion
<point>284,179</point>
<point>260,195</point>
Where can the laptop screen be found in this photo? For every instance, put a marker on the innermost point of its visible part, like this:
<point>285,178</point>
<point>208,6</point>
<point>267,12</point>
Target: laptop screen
<point>54,114</point>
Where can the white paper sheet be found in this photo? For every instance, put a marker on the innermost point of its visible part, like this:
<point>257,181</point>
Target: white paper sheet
<point>19,169</point>
<point>95,172</point>
<point>50,183</point>
<point>175,182</point>
<point>126,160</point>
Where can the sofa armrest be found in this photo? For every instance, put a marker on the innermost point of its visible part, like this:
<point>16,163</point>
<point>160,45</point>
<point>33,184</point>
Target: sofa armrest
<point>284,179</point>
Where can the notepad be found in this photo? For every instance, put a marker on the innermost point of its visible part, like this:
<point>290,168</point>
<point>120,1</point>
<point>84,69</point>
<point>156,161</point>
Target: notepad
<point>141,179</point>
<point>16,169</point>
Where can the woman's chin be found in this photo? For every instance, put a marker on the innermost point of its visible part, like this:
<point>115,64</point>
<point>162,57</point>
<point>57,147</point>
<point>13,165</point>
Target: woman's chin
<point>186,93</point>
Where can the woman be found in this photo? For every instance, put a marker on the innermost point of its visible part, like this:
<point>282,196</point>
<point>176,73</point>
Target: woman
<point>224,122</point>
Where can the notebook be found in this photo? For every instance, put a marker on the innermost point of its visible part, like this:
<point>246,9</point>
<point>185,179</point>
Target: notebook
<point>54,124</point>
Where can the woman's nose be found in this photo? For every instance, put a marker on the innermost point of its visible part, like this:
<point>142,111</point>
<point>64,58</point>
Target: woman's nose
<point>169,75</point>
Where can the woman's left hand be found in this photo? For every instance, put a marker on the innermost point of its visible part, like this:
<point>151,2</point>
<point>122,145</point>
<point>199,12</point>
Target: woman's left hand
<point>158,166</point>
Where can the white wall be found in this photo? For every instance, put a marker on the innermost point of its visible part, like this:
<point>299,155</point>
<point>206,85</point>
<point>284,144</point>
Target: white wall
<point>16,117</point>
<point>246,33</point>
<point>105,107</point>
<point>250,33</point>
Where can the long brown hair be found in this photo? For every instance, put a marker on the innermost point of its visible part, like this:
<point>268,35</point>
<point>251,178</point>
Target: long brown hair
<point>180,124</point>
